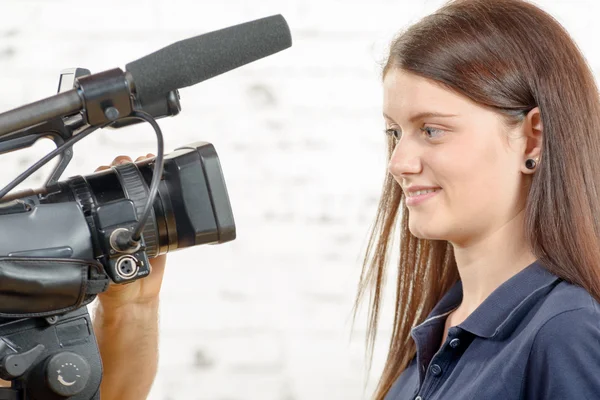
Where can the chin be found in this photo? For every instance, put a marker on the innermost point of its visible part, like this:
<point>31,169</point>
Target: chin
<point>426,236</point>
<point>426,231</point>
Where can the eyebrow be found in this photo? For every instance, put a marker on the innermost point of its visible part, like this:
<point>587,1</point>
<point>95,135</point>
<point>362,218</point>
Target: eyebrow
<point>427,114</point>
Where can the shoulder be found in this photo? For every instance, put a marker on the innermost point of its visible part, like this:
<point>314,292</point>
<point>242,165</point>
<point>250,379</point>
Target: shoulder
<point>567,309</point>
<point>565,352</point>
<point>568,329</point>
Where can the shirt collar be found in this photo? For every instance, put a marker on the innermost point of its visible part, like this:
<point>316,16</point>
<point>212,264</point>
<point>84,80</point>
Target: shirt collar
<point>501,311</point>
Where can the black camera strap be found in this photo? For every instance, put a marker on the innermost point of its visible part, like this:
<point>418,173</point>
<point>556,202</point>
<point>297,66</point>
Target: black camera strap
<point>41,287</point>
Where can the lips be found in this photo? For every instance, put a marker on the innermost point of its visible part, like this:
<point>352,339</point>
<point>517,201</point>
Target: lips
<point>418,194</point>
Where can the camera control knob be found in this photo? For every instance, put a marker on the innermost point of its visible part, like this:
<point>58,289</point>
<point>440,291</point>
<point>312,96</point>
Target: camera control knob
<point>67,373</point>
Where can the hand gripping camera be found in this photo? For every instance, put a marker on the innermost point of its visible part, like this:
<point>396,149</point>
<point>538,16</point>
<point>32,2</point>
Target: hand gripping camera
<point>64,243</point>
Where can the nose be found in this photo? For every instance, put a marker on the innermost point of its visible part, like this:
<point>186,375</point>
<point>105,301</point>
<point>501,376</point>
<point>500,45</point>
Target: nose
<point>405,160</point>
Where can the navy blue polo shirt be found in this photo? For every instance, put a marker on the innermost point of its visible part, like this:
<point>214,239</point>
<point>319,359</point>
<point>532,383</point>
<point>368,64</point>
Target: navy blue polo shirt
<point>535,337</point>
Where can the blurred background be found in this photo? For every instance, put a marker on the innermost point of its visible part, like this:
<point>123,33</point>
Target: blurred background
<point>300,140</point>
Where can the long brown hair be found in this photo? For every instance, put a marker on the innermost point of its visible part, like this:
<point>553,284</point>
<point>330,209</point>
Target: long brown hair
<point>512,57</point>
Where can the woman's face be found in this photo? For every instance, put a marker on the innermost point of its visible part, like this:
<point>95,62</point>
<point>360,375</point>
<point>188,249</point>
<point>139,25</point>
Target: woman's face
<point>459,165</point>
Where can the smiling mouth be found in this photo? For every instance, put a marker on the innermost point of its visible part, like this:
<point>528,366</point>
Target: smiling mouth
<point>421,192</point>
<point>417,197</point>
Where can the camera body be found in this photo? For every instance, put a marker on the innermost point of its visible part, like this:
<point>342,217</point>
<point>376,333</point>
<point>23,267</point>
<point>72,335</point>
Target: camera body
<point>56,253</point>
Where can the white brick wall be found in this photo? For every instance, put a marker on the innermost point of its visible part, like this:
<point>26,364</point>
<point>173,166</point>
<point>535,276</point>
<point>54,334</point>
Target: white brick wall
<point>299,138</point>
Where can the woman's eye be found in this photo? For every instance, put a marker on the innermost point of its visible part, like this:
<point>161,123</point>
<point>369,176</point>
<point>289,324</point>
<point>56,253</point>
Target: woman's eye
<point>396,133</point>
<point>432,133</point>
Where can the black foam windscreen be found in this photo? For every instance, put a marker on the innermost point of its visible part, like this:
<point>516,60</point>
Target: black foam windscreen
<point>202,57</point>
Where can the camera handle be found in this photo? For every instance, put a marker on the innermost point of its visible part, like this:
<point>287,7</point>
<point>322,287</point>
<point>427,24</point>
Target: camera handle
<point>54,129</point>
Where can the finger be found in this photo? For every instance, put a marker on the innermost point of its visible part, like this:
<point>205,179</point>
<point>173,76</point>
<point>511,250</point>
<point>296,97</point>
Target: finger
<point>102,168</point>
<point>121,160</point>
<point>140,158</point>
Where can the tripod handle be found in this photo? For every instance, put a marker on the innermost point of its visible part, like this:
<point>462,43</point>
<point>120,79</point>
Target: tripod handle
<point>15,365</point>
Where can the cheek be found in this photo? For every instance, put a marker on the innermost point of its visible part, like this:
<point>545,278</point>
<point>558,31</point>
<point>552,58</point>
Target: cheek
<point>470,175</point>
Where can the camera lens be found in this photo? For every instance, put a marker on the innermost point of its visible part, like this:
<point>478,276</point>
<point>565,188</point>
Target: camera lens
<point>191,208</point>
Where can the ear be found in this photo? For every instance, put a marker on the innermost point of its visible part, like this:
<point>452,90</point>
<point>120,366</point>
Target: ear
<point>533,133</point>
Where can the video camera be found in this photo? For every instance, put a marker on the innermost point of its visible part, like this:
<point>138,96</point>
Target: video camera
<point>64,243</point>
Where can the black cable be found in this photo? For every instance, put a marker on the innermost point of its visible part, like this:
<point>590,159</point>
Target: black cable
<point>44,160</point>
<point>156,177</point>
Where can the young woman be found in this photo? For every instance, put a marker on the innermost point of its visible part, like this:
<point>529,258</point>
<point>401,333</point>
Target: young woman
<point>493,119</point>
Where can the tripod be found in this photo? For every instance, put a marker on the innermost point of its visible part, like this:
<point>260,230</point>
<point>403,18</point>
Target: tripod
<point>51,358</point>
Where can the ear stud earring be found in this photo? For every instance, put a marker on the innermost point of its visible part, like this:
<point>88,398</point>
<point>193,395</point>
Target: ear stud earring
<point>531,163</point>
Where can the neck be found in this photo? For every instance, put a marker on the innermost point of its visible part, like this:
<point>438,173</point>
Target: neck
<point>485,264</point>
